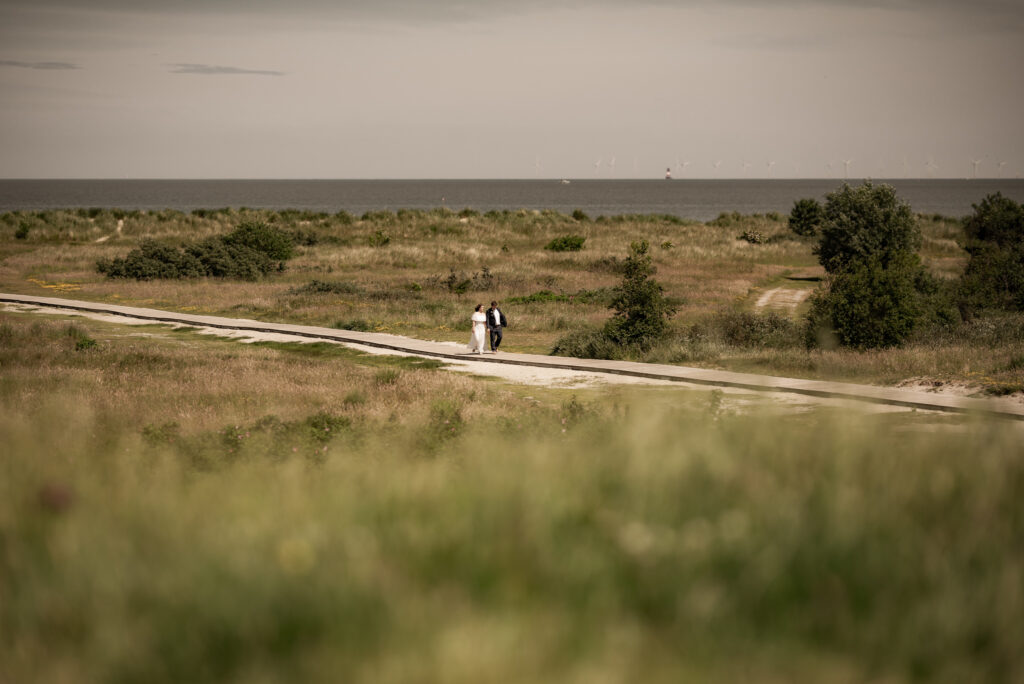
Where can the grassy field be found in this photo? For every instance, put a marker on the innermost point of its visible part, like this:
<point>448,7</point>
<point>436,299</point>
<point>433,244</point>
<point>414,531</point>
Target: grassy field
<point>180,508</point>
<point>420,274</point>
<point>176,507</point>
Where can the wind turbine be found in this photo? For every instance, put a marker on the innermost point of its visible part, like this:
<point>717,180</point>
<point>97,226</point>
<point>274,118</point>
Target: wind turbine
<point>931,167</point>
<point>846,168</point>
<point>745,166</point>
<point>770,165</point>
<point>597,167</point>
<point>974,163</point>
<point>611,166</point>
<point>716,165</point>
<point>536,166</point>
<point>828,167</point>
<point>681,166</point>
<point>906,167</point>
<point>1001,165</point>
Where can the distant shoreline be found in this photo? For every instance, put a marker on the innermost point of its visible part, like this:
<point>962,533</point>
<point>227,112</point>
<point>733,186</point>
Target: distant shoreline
<point>695,199</point>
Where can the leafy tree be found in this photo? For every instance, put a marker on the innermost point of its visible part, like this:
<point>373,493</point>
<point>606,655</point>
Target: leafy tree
<point>805,217</point>
<point>870,304</point>
<point>996,219</point>
<point>641,308</point>
<point>863,224</point>
<point>994,277</point>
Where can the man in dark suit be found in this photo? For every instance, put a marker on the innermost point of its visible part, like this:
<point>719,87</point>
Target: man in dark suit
<point>495,322</point>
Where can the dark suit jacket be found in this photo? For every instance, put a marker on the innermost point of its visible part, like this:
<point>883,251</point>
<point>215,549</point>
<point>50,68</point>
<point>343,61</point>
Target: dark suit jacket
<point>490,318</point>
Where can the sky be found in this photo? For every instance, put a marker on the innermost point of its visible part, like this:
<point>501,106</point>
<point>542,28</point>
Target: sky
<point>511,88</point>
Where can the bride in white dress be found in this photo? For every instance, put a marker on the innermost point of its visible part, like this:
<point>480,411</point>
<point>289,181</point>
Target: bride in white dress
<point>476,340</point>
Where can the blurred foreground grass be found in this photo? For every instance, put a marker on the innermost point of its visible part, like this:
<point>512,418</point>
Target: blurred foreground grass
<point>175,509</point>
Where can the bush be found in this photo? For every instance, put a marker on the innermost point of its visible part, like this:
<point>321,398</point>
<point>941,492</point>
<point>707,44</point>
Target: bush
<point>641,308</point>
<point>22,231</point>
<point>587,344</point>
<point>805,217</point>
<point>865,224</point>
<point>996,219</point>
<point>993,279</point>
<point>747,329</point>
<point>580,215</point>
<point>994,276</point>
<point>249,252</point>
<point>870,305</point>
<point>754,237</point>
<point>379,239</point>
<point>150,261</point>
<point>566,243</point>
<point>272,242</point>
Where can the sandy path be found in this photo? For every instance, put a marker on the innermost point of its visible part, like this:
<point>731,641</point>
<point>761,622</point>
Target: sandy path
<point>546,370</point>
<point>782,298</point>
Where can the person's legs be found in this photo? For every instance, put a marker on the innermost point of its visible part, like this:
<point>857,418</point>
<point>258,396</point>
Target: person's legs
<point>495,338</point>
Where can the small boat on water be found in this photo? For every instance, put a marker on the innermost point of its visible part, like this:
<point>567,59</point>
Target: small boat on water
<point>564,181</point>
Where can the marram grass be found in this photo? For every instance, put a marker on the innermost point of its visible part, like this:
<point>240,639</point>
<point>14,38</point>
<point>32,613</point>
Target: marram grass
<point>379,531</point>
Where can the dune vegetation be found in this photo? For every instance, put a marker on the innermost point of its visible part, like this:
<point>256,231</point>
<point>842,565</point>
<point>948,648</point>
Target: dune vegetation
<point>177,507</point>
<point>418,273</point>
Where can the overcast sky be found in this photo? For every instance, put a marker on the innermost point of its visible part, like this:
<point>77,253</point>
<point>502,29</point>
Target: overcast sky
<point>511,88</point>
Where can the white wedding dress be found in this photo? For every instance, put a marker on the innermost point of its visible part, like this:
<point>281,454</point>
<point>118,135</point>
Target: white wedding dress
<point>477,339</point>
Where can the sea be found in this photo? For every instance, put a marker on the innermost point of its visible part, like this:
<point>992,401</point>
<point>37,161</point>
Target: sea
<point>700,200</point>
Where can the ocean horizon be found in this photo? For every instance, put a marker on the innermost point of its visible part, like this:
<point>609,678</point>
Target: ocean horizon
<point>697,199</point>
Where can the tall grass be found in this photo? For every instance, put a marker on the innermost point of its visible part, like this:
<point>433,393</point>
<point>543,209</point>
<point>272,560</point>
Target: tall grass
<point>181,509</point>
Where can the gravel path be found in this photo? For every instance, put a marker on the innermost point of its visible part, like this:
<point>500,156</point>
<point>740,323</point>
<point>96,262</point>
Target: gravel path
<point>546,370</point>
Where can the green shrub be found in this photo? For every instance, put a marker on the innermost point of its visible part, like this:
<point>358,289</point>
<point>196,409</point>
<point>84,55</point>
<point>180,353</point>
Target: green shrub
<point>869,305</point>
<point>249,252</point>
<point>21,232</point>
<point>805,217</point>
<point>996,219</point>
<point>994,276</point>
<point>579,215</point>
<point>272,242</point>
<point>152,260</point>
<point>221,259</point>
<point>865,223</point>
<point>379,239</point>
<point>762,330</point>
<point>641,308</point>
<point>587,344</point>
<point>566,243</point>
<point>754,237</point>
<point>993,279</point>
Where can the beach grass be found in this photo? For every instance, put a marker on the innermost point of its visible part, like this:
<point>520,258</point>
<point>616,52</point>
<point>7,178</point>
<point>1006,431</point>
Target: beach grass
<point>176,507</point>
<point>346,274</point>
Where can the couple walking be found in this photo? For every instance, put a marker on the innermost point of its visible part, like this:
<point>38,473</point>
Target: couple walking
<point>491,320</point>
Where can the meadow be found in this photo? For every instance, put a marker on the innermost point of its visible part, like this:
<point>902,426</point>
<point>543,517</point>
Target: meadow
<point>420,273</point>
<point>176,507</point>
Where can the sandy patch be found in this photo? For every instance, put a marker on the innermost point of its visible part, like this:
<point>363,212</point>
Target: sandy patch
<point>782,298</point>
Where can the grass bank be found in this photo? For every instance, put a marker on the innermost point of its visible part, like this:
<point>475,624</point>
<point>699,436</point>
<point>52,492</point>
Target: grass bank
<point>178,508</point>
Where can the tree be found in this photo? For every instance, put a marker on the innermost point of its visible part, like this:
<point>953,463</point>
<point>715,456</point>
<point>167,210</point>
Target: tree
<point>865,223</point>
<point>870,305</point>
<point>641,308</point>
<point>805,217</point>
<point>877,292</point>
<point>994,277</point>
<point>996,219</point>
